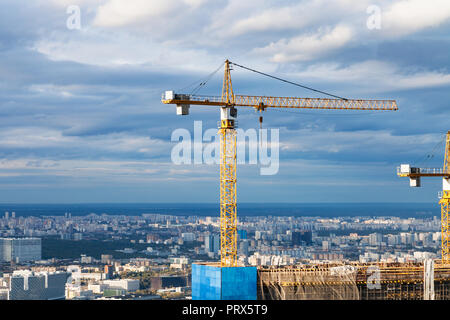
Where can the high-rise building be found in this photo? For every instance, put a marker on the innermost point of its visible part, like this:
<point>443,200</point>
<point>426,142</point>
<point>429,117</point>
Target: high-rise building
<point>109,271</point>
<point>151,238</point>
<point>212,243</point>
<point>375,238</point>
<point>20,249</point>
<point>106,258</point>
<point>188,236</point>
<point>302,237</point>
<point>243,247</point>
<point>6,215</point>
<point>28,285</point>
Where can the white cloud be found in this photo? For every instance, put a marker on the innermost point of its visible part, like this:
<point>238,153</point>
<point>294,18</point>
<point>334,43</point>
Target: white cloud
<point>66,3</point>
<point>107,49</point>
<point>195,3</point>
<point>375,76</point>
<point>200,27</point>
<point>270,20</point>
<point>295,17</point>
<point>162,32</point>
<point>330,141</point>
<point>103,171</point>
<point>116,13</point>
<point>51,90</point>
<point>409,16</point>
<point>118,143</point>
<point>308,47</point>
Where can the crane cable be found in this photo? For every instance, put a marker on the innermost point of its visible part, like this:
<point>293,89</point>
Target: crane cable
<point>202,82</point>
<point>287,81</point>
<point>201,85</point>
<point>430,155</point>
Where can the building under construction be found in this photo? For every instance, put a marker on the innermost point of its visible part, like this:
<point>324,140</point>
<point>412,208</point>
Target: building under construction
<point>355,281</point>
<point>429,280</point>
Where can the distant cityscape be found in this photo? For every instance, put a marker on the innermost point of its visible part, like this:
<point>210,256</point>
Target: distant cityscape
<point>149,256</point>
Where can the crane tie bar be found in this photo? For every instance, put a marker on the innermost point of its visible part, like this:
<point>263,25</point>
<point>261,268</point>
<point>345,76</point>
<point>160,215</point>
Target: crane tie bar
<point>287,81</point>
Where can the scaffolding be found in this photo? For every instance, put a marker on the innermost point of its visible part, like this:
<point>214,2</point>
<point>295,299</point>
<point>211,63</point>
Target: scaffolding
<point>355,281</point>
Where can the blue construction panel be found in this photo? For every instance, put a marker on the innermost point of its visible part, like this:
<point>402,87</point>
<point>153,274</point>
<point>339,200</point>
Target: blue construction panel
<point>239,283</point>
<point>216,283</point>
<point>206,282</point>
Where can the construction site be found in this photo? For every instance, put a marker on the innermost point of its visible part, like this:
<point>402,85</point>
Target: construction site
<point>356,281</point>
<point>227,280</point>
<point>429,280</point>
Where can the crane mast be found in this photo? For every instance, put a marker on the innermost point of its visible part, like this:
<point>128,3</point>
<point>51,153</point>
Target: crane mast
<point>445,204</point>
<point>227,133</point>
<point>228,214</point>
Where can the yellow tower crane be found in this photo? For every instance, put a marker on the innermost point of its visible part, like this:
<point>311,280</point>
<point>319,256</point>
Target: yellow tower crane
<point>228,113</point>
<point>415,175</point>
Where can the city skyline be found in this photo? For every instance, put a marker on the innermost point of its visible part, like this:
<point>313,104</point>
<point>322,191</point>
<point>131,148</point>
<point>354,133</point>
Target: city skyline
<point>149,256</point>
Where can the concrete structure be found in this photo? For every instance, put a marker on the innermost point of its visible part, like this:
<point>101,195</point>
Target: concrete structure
<point>356,281</point>
<point>76,292</point>
<point>106,288</point>
<point>97,287</point>
<point>20,249</point>
<point>164,282</point>
<point>86,259</point>
<point>126,284</point>
<point>428,280</point>
<point>88,276</point>
<point>179,262</point>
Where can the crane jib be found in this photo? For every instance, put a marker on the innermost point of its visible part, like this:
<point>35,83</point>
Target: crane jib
<point>285,102</point>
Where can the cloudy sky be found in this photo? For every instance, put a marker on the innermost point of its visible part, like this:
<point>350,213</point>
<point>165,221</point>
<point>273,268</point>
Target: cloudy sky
<point>81,117</point>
